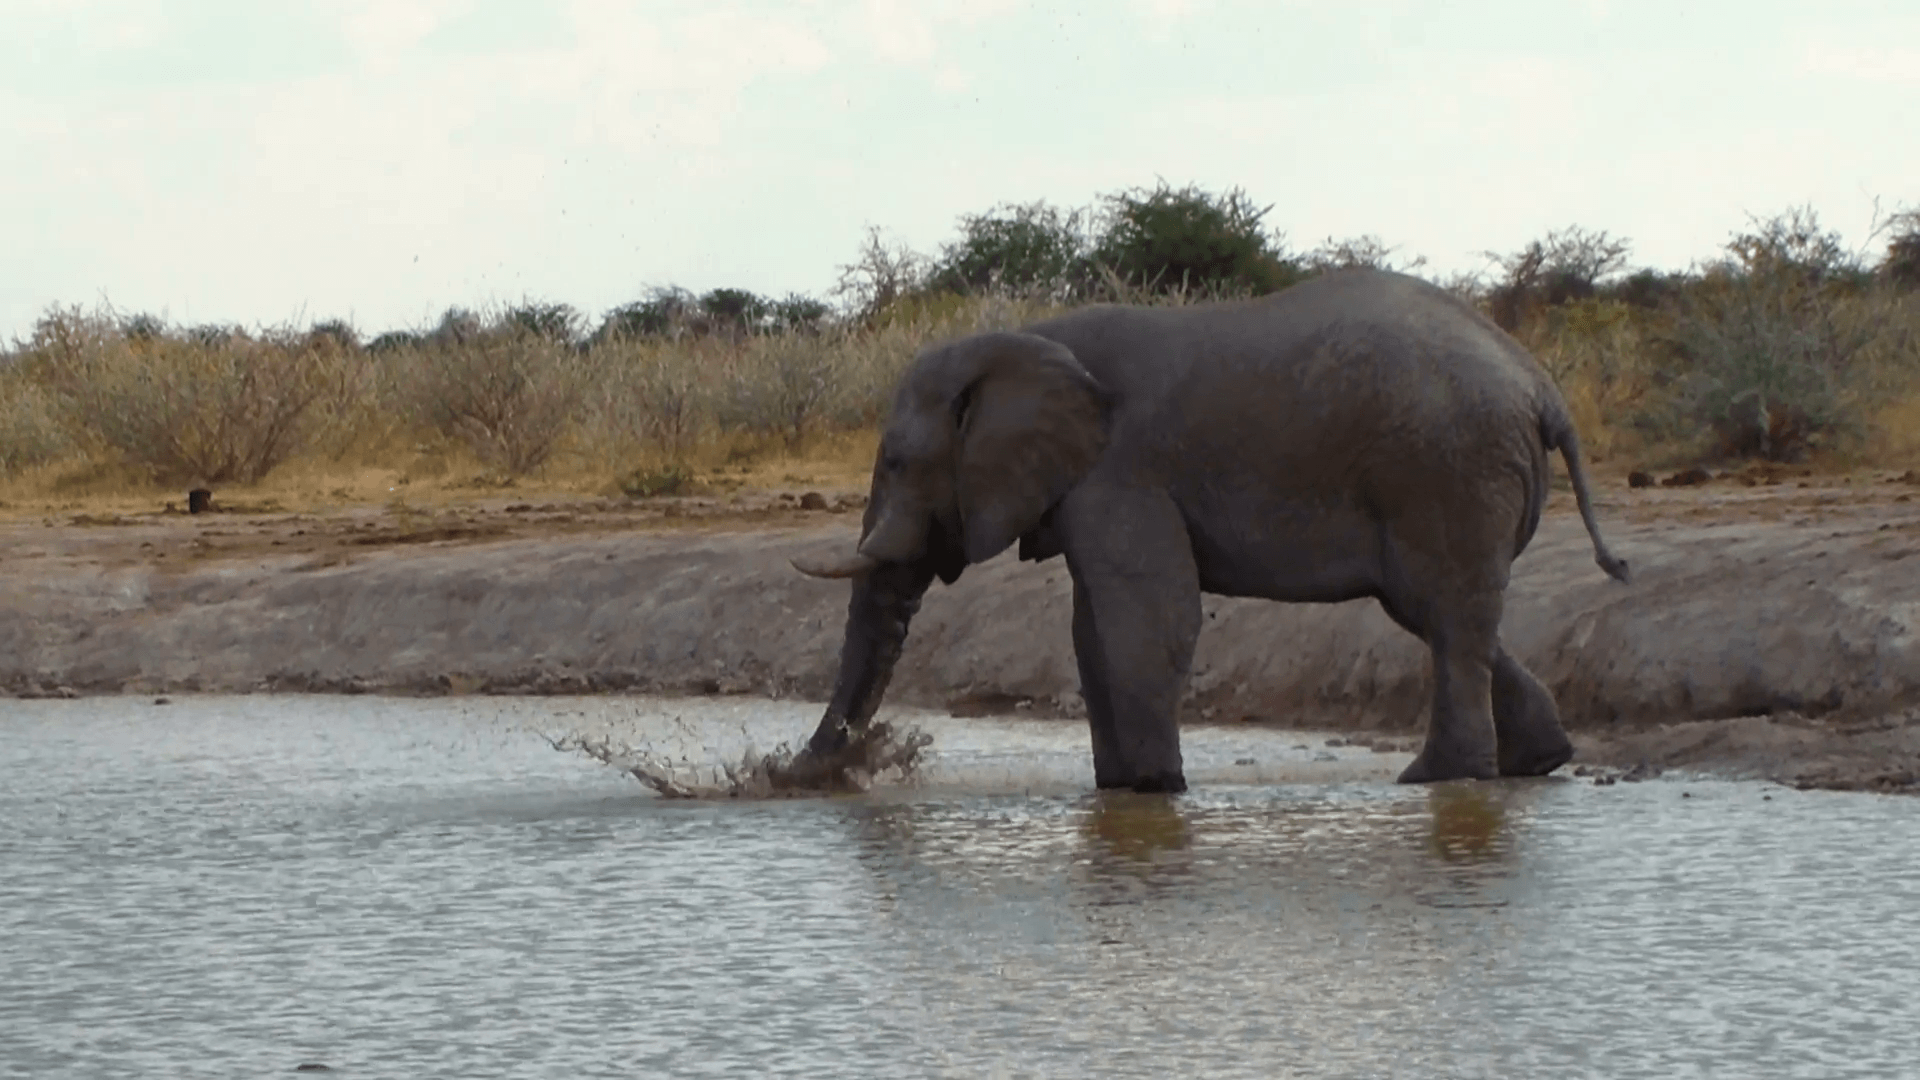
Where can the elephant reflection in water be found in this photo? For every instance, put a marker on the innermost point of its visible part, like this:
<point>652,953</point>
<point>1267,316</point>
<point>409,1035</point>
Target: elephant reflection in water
<point>1119,848</point>
<point>1469,823</point>
<point>1135,829</point>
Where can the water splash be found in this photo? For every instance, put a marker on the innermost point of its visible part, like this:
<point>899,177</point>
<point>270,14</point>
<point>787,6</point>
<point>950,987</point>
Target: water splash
<point>876,751</point>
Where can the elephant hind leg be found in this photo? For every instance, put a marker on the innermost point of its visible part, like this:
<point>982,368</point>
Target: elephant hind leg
<point>1529,738</point>
<point>1526,721</point>
<point>1461,740</point>
<point>1463,635</point>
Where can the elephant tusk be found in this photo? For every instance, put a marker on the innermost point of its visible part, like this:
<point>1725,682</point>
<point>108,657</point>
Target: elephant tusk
<point>850,566</point>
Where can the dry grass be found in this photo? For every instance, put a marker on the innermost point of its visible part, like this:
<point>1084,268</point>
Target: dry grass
<point>491,417</point>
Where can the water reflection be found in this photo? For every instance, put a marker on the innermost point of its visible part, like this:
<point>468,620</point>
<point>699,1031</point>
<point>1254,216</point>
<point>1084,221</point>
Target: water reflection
<point>1469,821</point>
<point>1136,829</point>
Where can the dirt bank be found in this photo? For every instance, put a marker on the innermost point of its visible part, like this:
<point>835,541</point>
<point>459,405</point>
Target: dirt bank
<point>1773,626</point>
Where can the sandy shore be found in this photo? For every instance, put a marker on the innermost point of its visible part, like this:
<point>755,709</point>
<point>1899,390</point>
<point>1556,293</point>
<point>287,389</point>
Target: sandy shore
<point>1772,629</point>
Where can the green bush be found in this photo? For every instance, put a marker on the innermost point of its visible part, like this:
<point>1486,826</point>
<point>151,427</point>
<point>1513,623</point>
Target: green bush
<point>1185,240</point>
<point>1020,249</point>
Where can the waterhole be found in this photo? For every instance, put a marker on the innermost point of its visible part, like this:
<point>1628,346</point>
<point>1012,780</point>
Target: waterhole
<point>240,886</point>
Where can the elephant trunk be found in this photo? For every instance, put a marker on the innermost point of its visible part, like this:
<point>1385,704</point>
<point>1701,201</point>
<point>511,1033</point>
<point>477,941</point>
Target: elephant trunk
<point>884,601</point>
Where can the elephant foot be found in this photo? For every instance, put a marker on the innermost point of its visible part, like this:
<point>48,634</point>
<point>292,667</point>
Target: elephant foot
<point>1170,783</point>
<point>1536,758</point>
<point>1435,765</point>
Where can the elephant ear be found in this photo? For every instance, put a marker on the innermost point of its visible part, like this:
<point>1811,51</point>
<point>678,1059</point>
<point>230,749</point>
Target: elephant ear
<point>1031,426</point>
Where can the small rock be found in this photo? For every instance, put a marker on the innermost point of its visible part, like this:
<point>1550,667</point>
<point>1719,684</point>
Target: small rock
<point>813,500</point>
<point>1638,479</point>
<point>312,1066</point>
<point>162,701</point>
<point>1244,761</point>
<point>1336,742</point>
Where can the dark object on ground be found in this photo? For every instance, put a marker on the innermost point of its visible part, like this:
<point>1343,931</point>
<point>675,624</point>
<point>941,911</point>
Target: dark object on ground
<point>813,500</point>
<point>199,501</point>
<point>1637,479</point>
<point>1687,478</point>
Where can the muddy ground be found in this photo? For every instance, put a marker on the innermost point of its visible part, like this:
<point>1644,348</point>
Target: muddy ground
<point>1772,629</point>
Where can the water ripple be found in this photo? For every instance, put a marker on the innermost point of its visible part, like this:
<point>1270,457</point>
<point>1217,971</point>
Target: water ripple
<point>403,888</point>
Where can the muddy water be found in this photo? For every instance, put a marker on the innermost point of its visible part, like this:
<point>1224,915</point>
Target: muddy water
<point>237,886</point>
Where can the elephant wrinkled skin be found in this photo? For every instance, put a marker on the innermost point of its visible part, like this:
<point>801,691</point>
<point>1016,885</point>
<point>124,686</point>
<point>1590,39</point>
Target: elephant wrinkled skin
<point>1362,434</point>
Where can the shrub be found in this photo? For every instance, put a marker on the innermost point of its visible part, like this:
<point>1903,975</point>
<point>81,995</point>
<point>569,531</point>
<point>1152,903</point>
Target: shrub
<point>30,431</point>
<point>1167,240</point>
<point>733,311</point>
<point>509,395</point>
<point>1367,252</point>
<point>784,385</point>
<point>1769,342</point>
<point>647,483</point>
<point>799,312</point>
<point>651,392</point>
<point>1901,265</point>
<point>335,333</point>
<point>558,323</point>
<point>1030,248</point>
<point>395,341</point>
<point>1595,350</point>
<point>1567,265</point>
<point>190,409</point>
<point>880,274</point>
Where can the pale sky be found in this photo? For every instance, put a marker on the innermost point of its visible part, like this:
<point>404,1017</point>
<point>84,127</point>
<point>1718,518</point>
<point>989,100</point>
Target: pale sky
<point>260,161</point>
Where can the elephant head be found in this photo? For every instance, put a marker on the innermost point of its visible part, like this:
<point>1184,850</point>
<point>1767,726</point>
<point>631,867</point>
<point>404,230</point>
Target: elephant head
<point>986,434</point>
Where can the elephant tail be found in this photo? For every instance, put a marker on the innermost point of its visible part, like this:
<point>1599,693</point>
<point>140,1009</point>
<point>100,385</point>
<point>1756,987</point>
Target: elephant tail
<point>1556,431</point>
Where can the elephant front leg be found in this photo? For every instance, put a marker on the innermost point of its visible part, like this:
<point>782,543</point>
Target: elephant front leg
<point>1110,767</point>
<point>1526,721</point>
<point>1136,620</point>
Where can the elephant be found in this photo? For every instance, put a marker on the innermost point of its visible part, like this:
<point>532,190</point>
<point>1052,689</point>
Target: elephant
<point>1360,434</point>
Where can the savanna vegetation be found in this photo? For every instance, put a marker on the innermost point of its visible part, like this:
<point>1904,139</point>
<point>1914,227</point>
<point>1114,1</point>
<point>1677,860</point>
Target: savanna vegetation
<point>1784,345</point>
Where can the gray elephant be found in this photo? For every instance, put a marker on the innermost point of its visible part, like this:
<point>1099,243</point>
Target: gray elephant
<point>1361,434</point>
